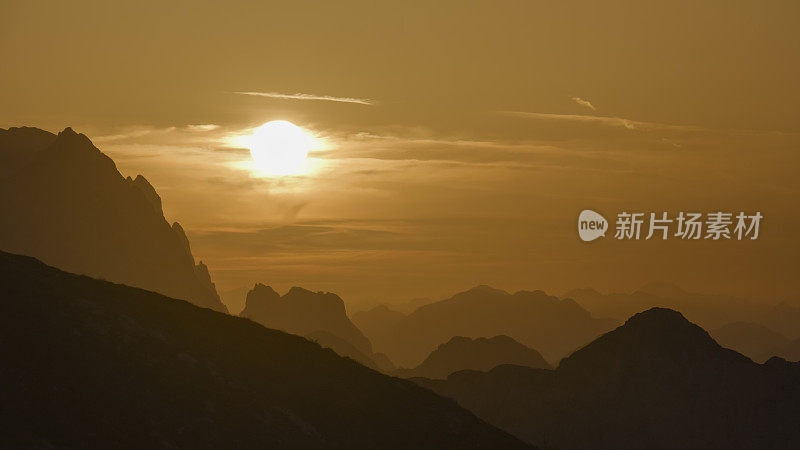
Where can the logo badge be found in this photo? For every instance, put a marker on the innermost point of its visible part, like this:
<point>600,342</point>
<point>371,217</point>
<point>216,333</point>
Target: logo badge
<point>591,225</point>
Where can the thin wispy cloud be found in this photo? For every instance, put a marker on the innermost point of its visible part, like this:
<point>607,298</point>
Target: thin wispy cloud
<point>132,133</point>
<point>583,102</point>
<point>202,127</point>
<point>324,98</point>
<point>603,120</point>
<point>629,124</point>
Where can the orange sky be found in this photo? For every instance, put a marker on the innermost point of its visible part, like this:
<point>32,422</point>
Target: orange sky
<point>462,138</point>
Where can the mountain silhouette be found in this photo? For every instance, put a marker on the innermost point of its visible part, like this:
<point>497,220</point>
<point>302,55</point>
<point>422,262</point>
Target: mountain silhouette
<point>377,320</point>
<point>462,353</point>
<point>754,340</point>
<point>783,318</point>
<point>303,312</point>
<point>710,311</point>
<point>658,381</point>
<point>91,364</point>
<point>552,326</point>
<point>64,202</point>
<point>19,146</point>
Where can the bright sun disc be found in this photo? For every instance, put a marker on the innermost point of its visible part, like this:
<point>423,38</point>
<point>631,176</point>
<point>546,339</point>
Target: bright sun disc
<point>280,148</point>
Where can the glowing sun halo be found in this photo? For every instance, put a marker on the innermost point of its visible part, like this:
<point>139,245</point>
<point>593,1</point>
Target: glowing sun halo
<point>280,148</point>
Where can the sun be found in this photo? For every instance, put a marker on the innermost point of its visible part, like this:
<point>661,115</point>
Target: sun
<point>280,147</point>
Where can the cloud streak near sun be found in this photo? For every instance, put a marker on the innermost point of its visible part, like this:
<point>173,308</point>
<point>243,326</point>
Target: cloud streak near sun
<point>299,96</point>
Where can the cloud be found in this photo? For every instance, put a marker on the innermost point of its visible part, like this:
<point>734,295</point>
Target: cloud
<point>604,120</point>
<point>131,133</point>
<point>202,127</point>
<point>620,122</point>
<point>583,102</point>
<point>324,98</point>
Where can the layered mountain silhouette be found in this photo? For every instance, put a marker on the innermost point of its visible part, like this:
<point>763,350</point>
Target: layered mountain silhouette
<point>463,353</point>
<point>783,318</point>
<point>64,202</point>
<point>757,341</point>
<point>320,316</point>
<point>754,340</point>
<point>552,326</point>
<point>710,311</point>
<point>88,363</point>
<point>234,299</point>
<point>377,320</point>
<point>658,381</point>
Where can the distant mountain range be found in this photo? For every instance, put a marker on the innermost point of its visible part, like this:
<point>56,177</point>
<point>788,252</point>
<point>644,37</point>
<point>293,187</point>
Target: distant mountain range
<point>658,381</point>
<point>462,353</point>
<point>91,364</point>
<point>757,329</point>
<point>757,341</point>
<point>550,325</point>
<point>710,311</point>
<point>64,202</point>
<point>377,320</point>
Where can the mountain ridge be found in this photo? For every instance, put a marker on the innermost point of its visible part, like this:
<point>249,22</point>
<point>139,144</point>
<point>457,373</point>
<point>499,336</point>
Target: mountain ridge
<point>90,363</point>
<point>66,203</point>
<point>554,327</point>
<point>657,381</point>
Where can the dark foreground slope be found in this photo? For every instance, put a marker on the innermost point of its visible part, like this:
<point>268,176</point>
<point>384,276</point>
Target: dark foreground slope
<point>86,363</point>
<point>657,382</point>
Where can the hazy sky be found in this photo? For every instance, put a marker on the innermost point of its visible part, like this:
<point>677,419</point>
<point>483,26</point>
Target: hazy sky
<point>461,139</point>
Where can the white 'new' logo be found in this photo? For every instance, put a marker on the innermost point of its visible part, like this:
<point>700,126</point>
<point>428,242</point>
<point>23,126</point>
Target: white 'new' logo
<point>591,225</point>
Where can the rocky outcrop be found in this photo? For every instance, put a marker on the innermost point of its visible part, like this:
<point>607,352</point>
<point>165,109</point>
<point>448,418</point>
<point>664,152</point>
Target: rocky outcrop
<point>303,312</point>
<point>69,206</point>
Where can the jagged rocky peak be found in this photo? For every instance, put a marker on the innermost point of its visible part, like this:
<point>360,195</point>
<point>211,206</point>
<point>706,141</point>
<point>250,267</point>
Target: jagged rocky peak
<point>201,270</point>
<point>149,193</point>
<point>259,294</point>
<point>75,156</point>
<point>75,210</point>
<point>69,135</point>
<point>181,235</point>
<point>261,289</point>
<point>68,132</point>
<point>303,312</point>
<point>202,273</point>
<point>325,300</point>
